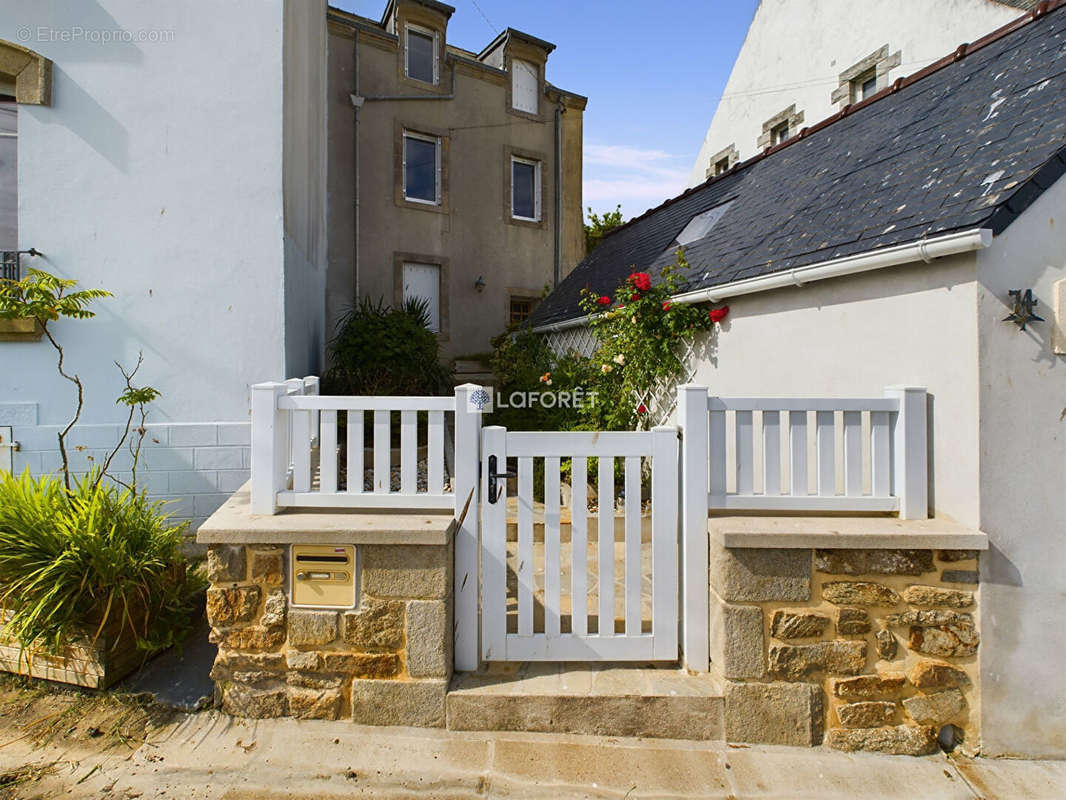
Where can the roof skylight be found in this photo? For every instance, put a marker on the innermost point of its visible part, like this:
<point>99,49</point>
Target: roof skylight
<point>701,224</point>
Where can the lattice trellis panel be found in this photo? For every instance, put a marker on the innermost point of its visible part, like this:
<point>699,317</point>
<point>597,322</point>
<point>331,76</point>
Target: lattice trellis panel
<point>660,399</point>
<point>578,339</point>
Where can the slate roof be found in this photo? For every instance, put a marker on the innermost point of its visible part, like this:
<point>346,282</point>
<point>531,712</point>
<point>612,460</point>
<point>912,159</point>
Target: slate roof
<point>970,141</point>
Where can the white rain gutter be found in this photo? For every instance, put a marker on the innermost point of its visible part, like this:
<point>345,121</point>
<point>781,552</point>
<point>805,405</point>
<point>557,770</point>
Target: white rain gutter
<point>924,250</point>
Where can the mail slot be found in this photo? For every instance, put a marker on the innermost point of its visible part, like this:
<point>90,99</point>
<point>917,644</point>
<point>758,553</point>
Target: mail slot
<point>323,576</point>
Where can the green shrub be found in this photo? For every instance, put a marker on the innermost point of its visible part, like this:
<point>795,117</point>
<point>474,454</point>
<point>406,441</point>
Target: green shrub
<point>71,562</point>
<point>379,350</point>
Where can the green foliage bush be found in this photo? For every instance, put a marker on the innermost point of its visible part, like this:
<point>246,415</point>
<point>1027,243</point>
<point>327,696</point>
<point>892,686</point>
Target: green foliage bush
<point>379,350</point>
<point>638,334</point>
<point>599,225</point>
<point>71,562</point>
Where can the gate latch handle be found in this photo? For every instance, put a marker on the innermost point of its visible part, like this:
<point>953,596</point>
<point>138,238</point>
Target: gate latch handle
<point>494,492</point>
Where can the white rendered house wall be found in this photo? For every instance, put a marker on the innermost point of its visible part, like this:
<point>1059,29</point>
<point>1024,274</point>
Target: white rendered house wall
<point>795,51</point>
<point>155,173</point>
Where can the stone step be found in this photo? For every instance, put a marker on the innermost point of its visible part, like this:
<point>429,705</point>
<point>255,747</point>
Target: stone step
<point>642,700</point>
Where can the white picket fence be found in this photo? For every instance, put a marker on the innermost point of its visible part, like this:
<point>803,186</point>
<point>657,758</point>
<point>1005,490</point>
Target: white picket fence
<point>784,454</point>
<point>582,619</point>
<point>296,460</point>
<point>744,454</point>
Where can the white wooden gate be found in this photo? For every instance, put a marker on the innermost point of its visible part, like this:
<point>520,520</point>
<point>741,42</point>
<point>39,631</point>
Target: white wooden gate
<point>558,601</point>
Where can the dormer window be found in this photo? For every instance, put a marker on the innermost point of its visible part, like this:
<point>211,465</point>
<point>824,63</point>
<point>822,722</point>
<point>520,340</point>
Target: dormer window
<point>422,62</point>
<point>780,126</point>
<point>525,86</point>
<point>779,133</point>
<point>864,86</point>
<point>863,78</point>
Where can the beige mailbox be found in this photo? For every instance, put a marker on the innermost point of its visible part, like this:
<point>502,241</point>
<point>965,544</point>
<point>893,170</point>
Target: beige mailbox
<point>323,575</point>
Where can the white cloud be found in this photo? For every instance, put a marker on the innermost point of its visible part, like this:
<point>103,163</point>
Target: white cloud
<point>637,178</point>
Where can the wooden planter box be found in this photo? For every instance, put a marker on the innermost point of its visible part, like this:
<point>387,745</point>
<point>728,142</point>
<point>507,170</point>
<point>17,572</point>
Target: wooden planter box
<point>112,658</point>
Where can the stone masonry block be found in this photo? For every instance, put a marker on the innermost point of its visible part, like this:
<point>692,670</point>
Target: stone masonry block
<point>265,703</point>
<point>275,609</point>
<point>937,675</point>
<point>873,562</point>
<point>798,625</point>
<point>758,574</point>
<point>268,566</point>
<point>419,704</point>
<point>226,563</point>
<point>314,703</point>
<point>798,662</point>
<point>253,637</point>
<point>736,639</point>
<point>937,596</point>
<point>859,593</point>
<point>408,571</point>
<point>774,713</point>
<point>362,665</point>
<point>227,605</point>
<point>312,628</point>
<point>376,625</point>
<point>936,708</point>
<point>900,740</point>
<point>429,639</point>
<point>867,714</point>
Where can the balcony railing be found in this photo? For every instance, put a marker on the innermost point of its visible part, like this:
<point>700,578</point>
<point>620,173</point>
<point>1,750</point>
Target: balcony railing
<point>11,263</point>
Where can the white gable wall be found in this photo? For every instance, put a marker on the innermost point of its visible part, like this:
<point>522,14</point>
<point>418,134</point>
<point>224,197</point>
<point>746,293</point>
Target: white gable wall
<point>157,173</point>
<point>1023,489</point>
<point>795,50</point>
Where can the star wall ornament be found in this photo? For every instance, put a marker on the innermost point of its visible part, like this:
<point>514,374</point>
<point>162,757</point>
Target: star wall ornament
<point>1024,303</point>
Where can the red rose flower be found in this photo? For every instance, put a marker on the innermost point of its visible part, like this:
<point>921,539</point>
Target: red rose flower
<point>642,409</point>
<point>604,301</point>
<point>667,305</point>
<point>641,281</point>
<point>718,314</point>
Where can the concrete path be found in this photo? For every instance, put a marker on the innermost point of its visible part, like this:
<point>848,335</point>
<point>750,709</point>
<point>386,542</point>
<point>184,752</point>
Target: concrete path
<point>210,756</point>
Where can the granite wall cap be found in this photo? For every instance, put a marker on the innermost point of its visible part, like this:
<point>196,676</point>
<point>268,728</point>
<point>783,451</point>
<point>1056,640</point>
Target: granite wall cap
<point>234,523</point>
<point>853,532</point>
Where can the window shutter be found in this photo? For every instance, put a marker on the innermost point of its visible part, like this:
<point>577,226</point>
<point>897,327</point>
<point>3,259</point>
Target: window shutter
<point>525,81</point>
<point>436,57</point>
<point>439,166</point>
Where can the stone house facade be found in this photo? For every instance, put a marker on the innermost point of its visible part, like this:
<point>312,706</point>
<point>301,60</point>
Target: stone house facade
<point>500,217</point>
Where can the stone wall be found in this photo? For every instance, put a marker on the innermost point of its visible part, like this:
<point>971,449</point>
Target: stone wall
<point>386,662</point>
<point>867,649</point>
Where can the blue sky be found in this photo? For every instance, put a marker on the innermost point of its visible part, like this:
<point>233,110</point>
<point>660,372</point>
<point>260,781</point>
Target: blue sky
<point>653,73</point>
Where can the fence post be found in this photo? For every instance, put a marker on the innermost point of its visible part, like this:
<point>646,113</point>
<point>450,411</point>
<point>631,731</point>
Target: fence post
<point>269,453</point>
<point>910,454</point>
<point>467,468</point>
<point>664,558</point>
<point>312,384</point>
<point>692,419</point>
<point>494,561</point>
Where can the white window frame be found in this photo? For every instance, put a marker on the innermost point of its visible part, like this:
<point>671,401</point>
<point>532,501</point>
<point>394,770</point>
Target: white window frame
<point>435,140</point>
<point>536,90</point>
<point>407,51</point>
<point>536,188</point>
